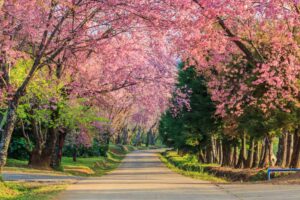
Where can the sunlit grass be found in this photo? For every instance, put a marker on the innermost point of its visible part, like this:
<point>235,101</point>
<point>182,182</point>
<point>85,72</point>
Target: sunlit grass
<point>91,166</point>
<point>29,191</point>
<point>188,166</point>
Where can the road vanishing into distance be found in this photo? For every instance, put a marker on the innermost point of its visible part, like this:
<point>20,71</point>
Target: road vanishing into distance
<point>142,176</point>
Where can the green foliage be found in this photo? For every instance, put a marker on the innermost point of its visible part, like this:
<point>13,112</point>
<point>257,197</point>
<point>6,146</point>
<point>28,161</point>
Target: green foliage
<point>190,128</point>
<point>18,148</point>
<point>95,150</point>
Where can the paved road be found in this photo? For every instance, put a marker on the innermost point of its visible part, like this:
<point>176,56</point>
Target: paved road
<point>143,177</point>
<point>38,177</point>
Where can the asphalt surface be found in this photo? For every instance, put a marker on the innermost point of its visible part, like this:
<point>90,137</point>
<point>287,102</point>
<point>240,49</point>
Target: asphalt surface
<point>142,176</point>
<point>38,177</point>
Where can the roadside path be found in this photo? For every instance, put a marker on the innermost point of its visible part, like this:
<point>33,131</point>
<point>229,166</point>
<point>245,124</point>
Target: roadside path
<point>142,176</point>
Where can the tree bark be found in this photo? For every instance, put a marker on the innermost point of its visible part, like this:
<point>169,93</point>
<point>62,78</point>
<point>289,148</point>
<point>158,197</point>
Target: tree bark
<point>58,152</point>
<point>290,147</point>
<point>125,136</point>
<point>235,155</point>
<point>41,159</point>
<point>243,151</point>
<point>7,132</point>
<point>74,154</point>
<point>265,160</point>
<point>295,162</point>
<point>201,157</point>
<point>272,158</point>
<point>220,151</point>
<point>250,158</point>
<point>256,155</point>
<point>282,150</point>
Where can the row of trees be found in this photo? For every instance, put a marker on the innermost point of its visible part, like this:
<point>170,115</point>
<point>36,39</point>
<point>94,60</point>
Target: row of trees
<point>254,139</point>
<point>118,56</point>
<point>78,69</point>
<point>242,96</point>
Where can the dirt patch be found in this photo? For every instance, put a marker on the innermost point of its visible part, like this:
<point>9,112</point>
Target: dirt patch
<point>237,175</point>
<point>292,178</point>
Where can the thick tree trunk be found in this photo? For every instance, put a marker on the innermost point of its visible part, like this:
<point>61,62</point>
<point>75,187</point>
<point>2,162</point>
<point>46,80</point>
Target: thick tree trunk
<point>295,162</point>
<point>227,153</point>
<point>7,132</point>
<point>41,159</point>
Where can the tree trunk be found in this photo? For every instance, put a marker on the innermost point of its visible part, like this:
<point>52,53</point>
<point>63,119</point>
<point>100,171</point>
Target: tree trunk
<point>272,158</point>
<point>220,151</point>
<point>214,149</point>
<point>148,139</point>
<point>138,138</point>
<point>243,151</point>
<point>125,136</point>
<point>250,158</point>
<point>74,154</point>
<point>265,160</point>
<point>234,156</point>
<point>201,157</point>
<point>227,153</point>
<point>295,162</point>
<point>282,150</point>
<point>118,139</point>
<point>57,157</point>
<point>208,154</point>
<point>7,132</point>
<point>290,147</point>
<point>256,155</point>
<point>41,159</point>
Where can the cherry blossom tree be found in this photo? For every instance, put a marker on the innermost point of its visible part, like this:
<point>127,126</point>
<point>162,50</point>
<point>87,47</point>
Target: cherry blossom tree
<point>63,35</point>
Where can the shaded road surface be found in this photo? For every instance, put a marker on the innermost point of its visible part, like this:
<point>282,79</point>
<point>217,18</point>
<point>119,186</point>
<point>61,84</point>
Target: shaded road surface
<point>143,177</point>
<point>38,177</point>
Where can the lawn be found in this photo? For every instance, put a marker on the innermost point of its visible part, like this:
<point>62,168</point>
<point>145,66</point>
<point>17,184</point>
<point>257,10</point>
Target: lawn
<point>188,166</point>
<point>29,191</point>
<point>91,166</point>
<point>96,166</point>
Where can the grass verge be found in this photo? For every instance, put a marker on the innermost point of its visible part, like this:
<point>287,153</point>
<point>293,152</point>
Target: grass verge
<point>96,166</point>
<point>91,166</point>
<point>29,191</point>
<point>188,166</point>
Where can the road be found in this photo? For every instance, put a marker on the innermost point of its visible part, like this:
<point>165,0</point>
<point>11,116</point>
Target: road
<point>39,177</point>
<point>142,176</point>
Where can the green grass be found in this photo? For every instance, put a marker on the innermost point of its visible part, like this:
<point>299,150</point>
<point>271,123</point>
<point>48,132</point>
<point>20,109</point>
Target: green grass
<point>188,166</point>
<point>29,191</point>
<point>92,166</point>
